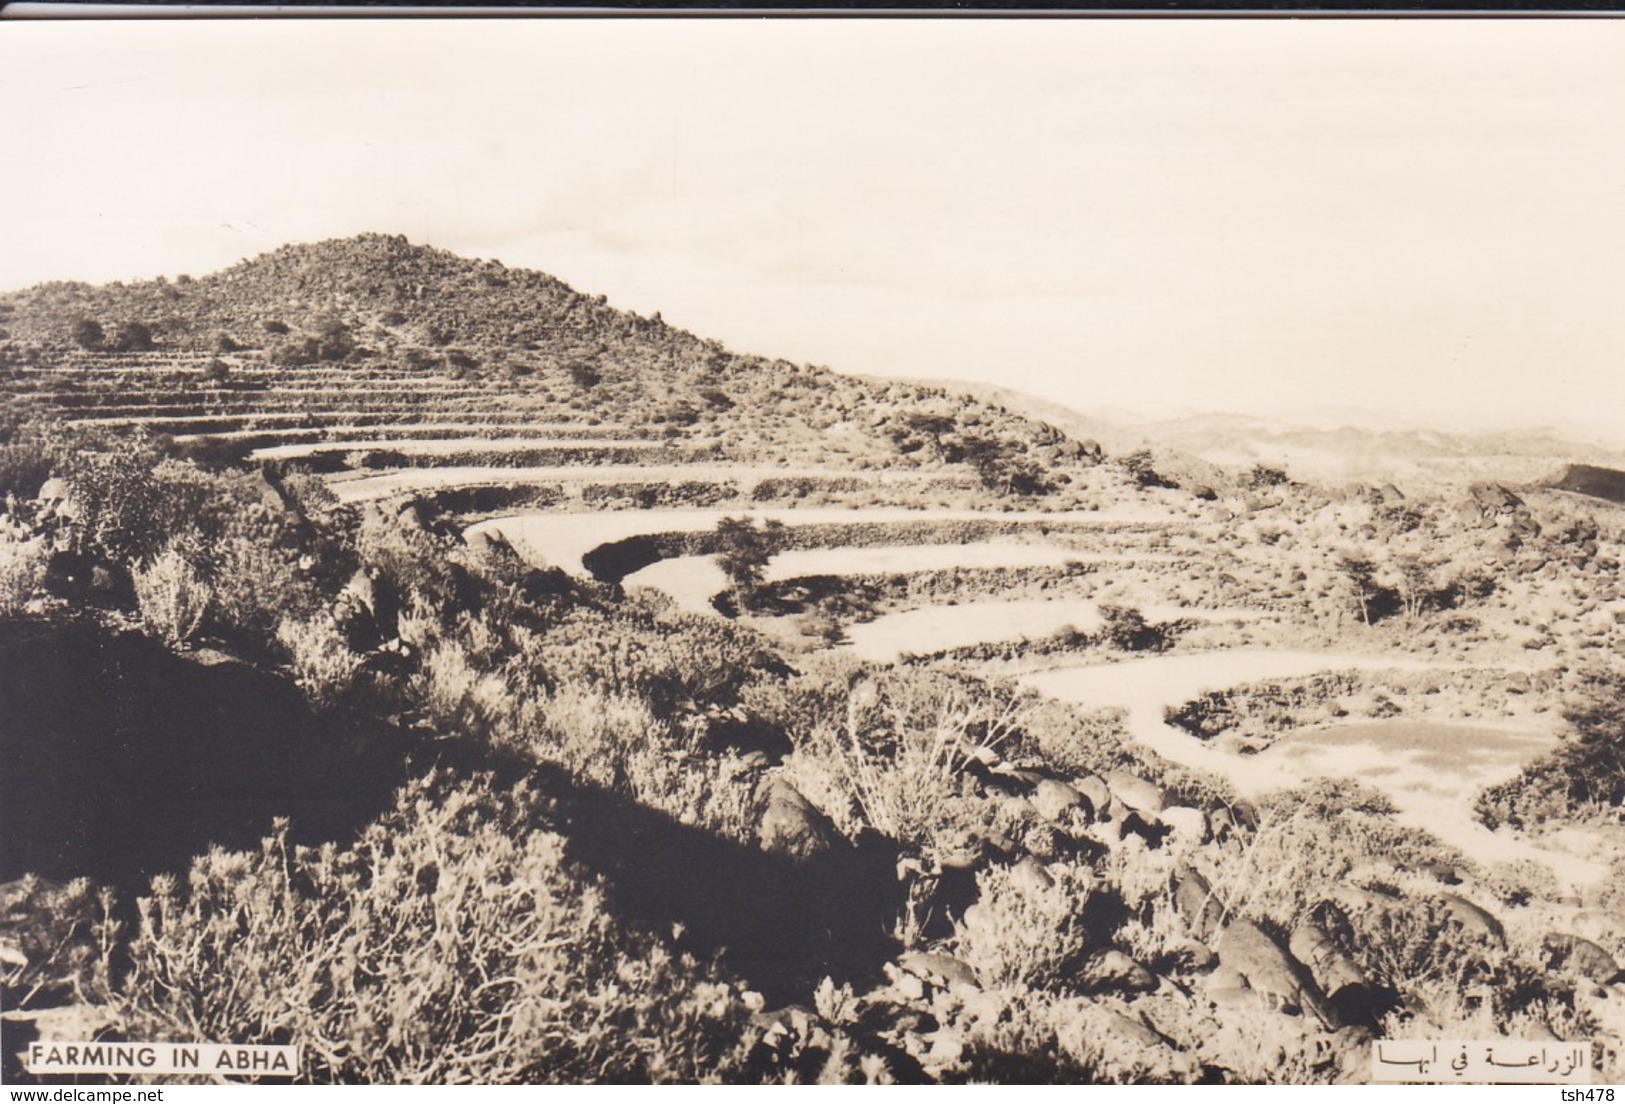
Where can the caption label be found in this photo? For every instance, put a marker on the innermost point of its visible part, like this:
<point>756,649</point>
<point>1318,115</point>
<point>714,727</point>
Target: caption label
<point>1499,1061</point>
<point>206,1058</point>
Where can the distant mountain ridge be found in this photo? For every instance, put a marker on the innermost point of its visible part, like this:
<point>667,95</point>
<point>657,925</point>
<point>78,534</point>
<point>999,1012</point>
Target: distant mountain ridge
<point>1414,456</point>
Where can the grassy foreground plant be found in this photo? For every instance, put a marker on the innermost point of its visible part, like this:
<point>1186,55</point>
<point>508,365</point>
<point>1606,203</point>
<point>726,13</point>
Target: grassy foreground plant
<point>172,599</point>
<point>451,944</point>
<point>324,664</point>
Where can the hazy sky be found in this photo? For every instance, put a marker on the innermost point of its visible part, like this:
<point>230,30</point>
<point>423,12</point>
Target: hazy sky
<point>1157,215</point>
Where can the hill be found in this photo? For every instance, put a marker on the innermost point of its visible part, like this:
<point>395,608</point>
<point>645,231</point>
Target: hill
<point>377,312</point>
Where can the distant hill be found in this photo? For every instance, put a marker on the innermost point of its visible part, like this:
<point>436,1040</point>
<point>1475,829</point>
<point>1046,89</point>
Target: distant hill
<point>1203,445</point>
<point>377,306</point>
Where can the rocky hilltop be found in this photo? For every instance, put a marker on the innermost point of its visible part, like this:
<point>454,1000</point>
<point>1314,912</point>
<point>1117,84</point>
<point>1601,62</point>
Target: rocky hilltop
<point>376,304</point>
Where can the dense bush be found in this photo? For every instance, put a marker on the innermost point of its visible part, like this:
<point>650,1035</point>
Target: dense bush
<point>126,516</point>
<point>171,597</point>
<point>451,944</point>
<point>22,570</point>
<point>1584,778</point>
<point>24,468</point>
<point>323,663</point>
<point>1024,933</point>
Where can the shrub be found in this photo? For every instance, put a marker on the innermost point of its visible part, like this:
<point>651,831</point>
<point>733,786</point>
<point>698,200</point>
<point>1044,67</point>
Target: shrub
<point>584,375</point>
<point>910,795</point>
<point>1314,837</point>
<point>693,788</point>
<point>88,334</point>
<point>1126,627</point>
<point>451,943</point>
<point>456,696</point>
<point>1142,469</point>
<point>123,509</point>
<point>49,928</point>
<point>896,747</point>
<point>171,597</point>
<point>323,663</point>
<point>1020,933</point>
<point>1260,477</point>
<point>22,570</point>
<point>590,731</point>
<point>1583,778</point>
<point>257,580</point>
<point>132,337</point>
<point>24,468</point>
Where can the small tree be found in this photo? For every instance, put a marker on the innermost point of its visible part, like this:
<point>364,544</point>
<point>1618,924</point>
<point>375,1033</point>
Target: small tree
<point>1360,573</point>
<point>1416,587</point>
<point>1000,467</point>
<point>743,551</point>
<point>1140,466</point>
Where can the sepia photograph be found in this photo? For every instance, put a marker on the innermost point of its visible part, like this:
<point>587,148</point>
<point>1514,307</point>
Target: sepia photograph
<point>934,551</point>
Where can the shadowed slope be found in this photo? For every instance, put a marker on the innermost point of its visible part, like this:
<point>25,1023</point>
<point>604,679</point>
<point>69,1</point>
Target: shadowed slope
<point>124,760</point>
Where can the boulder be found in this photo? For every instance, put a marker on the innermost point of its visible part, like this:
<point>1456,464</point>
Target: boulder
<point>1094,790</point>
<point>1188,825</point>
<point>1196,905</point>
<point>1473,919</point>
<point>1443,871</point>
<point>1030,877</point>
<point>1126,1029</point>
<point>1018,808</point>
<point>1580,956</point>
<point>1355,900</point>
<point>1338,976</point>
<point>1268,969</point>
<point>1052,799</point>
<point>943,971</point>
<point>791,825</point>
<point>1020,778</point>
<point>1147,827</point>
<point>1136,793</point>
<point>1112,971</point>
<point>53,490</point>
<point>1494,498</point>
<point>1332,970</point>
<point>963,850</point>
<point>411,518</point>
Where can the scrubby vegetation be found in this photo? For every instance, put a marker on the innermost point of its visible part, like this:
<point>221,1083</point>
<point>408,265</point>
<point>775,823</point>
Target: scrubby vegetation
<point>482,813</point>
<point>1584,778</point>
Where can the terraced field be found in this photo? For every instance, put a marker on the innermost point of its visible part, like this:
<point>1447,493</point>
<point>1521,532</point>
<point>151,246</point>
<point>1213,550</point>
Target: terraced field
<point>968,748</point>
<point>193,395</point>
